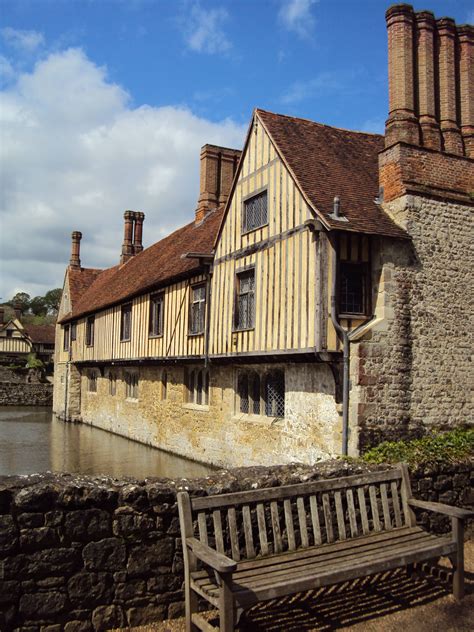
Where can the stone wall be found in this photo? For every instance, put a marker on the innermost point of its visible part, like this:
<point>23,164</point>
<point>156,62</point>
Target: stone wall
<point>412,371</point>
<point>80,554</point>
<point>217,433</point>
<point>16,394</point>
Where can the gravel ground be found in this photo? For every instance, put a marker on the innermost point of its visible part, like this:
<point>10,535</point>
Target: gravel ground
<point>389,602</point>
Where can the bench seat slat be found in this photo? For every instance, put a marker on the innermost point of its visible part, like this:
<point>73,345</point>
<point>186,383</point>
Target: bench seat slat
<point>294,578</point>
<point>291,491</point>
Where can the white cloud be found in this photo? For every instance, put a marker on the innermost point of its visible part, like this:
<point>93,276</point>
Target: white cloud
<point>322,84</point>
<point>204,30</point>
<point>75,154</point>
<point>24,41</point>
<point>297,16</point>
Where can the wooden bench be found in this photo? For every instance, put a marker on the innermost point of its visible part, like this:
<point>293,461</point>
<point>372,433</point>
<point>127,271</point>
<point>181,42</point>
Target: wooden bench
<point>246,547</point>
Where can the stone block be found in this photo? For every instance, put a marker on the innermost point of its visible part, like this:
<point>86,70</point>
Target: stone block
<point>38,498</point>
<point>30,520</point>
<point>78,626</point>
<point>9,591</point>
<point>146,559</point>
<point>105,555</point>
<point>8,534</point>
<point>87,524</point>
<point>90,588</point>
<point>176,610</point>
<point>42,604</point>
<point>54,518</point>
<point>145,615</point>
<point>130,589</point>
<point>42,563</point>
<point>132,524</point>
<point>107,618</point>
<point>36,539</point>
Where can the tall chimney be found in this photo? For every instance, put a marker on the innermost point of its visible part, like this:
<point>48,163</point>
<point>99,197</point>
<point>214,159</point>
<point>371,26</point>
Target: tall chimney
<point>466,80</point>
<point>18,311</point>
<point>2,315</point>
<point>218,166</point>
<point>447,86</point>
<point>75,260</point>
<point>402,124</point>
<point>430,132</point>
<point>138,232</point>
<point>127,246</point>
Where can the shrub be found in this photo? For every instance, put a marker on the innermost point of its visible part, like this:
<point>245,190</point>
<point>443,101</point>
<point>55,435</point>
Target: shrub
<point>445,447</point>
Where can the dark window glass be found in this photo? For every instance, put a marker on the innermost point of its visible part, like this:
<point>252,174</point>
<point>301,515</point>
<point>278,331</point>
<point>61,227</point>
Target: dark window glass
<point>9,333</point>
<point>197,384</point>
<point>353,288</point>
<point>90,331</point>
<point>255,212</point>
<point>92,383</point>
<point>126,322</point>
<point>73,331</point>
<point>164,385</point>
<point>275,394</point>
<point>245,308</point>
<point>197,310</point>
<point>156,315</point>
<point>66,333</point>
<point>131,385</point>
<point>112,383</point>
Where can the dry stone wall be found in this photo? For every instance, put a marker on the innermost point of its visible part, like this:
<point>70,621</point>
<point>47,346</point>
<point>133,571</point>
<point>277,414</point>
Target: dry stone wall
<point>84,554</point>
<point>17,394</point>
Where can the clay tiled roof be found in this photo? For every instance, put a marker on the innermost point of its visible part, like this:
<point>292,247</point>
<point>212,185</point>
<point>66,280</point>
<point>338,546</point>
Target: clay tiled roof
<point>155,266</point>
<point>327,161</point>
<point>40,333</point>
<point>80,279</point>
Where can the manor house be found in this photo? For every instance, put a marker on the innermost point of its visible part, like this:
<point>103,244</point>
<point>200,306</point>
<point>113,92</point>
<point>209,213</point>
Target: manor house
<point>318,301</point>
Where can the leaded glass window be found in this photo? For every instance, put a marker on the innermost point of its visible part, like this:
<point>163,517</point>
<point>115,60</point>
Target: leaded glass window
<point>245,308</point>
<point>255,212</point>
<point>126,322</point>
<point>156,315</point>
<point>197,314</point>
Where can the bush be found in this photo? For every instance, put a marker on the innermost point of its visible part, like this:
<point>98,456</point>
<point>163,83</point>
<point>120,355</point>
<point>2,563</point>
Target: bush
<point>34,362</point>
<point>445,447</point>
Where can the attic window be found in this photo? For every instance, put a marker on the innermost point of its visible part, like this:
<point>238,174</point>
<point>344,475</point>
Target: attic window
<point>255,212</point>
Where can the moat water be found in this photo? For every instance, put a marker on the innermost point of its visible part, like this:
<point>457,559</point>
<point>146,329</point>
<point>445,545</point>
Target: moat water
<point>33,440</point>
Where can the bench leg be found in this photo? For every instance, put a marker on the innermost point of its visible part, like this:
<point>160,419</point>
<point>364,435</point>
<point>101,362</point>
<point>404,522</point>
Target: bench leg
<point>191,607</point>
<point>226,605</point>
<point>457,559</point>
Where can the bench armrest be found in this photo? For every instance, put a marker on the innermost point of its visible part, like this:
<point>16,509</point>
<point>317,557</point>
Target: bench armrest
<point>448,510</point>
<point>217,561</point>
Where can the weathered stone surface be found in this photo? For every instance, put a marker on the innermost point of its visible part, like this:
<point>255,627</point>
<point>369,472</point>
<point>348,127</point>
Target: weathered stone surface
<point>176,610</point>
<point>42,563</point>
<point>132,524</point>
<point>50,628</point>
<point>50,582</point>
<point>36,498</point>
<point>8,534</point>
<point>42,604</point>
<point>90,588</point>
<point>9,591</point>
<point>147,559</point>
<point>87,524</point>
<point>142,616</point>
<point>40,538</point>
<point>78,626</point>
<point>129,590</point>
<point>26,394</point>
<point>30,520</point>
<point>105,555</point>
<point>107,618</point>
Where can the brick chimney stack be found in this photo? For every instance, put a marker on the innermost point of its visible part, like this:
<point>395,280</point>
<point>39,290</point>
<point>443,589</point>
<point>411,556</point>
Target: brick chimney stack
<point>431,81</point>
<point>18,311</point>
<point>218,166</point>
<point>75,260</point>
<point>127,246</point>
<point>466,80</point>
<point>138,232</point>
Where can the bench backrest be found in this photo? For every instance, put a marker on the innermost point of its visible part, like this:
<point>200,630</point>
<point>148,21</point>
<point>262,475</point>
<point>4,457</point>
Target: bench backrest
<point>244,525</point>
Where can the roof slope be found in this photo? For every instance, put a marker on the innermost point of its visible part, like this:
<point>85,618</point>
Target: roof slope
<point>154,266</point>
<point>40,333</point>
<point>327,161</point>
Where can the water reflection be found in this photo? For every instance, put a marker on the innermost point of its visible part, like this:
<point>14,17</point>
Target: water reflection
<point>33,440</point>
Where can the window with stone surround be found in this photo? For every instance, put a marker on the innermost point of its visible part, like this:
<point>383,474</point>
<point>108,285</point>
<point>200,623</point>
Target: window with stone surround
<point>112,384</point>
<point>197,386</point>
<point>131,385</point>
<point>261,392</point>
<point>92,382</point>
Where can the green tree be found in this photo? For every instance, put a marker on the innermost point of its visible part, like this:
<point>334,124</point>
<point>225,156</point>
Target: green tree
<point>38,306</point>
<point>22,299</point>
<point>53,299</point>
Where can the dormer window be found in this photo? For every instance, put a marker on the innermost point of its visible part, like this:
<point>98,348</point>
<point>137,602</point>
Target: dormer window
<point>255,212</point>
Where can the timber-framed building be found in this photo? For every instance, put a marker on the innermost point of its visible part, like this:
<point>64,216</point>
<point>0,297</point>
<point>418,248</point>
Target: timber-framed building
<point>312,249</point>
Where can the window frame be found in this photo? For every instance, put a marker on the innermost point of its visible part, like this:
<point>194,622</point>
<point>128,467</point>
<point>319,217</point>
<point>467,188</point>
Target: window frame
<point>132,381</point>
<point>259,378</point>
<point>192,303</point>
<point>92,382</point>
<point>350,253</point>
<point>90,331</point>
<point>246,271</point>
<point>73,334</point>
<point>66,338</point>
<point>9,333</point>
<point>245,201</point>
<point>158,297</point>
<point>112,384</point>
<point>126,311</point>
<point>197,387</point>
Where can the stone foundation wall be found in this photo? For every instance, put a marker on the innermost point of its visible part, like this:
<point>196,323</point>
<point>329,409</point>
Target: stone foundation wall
<point>412,372</point>
<point>217,434</point>
<point>16,394</point>
<point>81,554</point>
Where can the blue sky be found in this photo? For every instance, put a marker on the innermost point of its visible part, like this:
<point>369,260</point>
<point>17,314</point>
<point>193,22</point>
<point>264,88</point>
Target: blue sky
<point>105,104</point>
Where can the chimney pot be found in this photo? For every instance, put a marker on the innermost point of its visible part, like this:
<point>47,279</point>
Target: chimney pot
<point>218,166</point>
<point>75,260</point>
<point>127,246</point>
<point>138,232</point>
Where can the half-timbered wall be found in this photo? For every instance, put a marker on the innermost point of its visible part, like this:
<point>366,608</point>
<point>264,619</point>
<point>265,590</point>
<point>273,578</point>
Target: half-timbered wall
<point>175,341</point>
